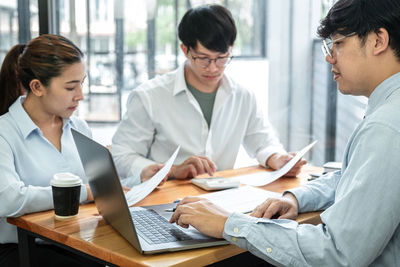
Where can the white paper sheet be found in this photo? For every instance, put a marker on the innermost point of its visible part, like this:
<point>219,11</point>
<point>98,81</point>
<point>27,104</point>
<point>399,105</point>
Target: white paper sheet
<point>243,199</point>
<point>140,191</point>
<point>264,178</point>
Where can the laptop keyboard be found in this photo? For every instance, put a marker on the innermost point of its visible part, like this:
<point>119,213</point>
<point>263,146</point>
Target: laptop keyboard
<point>155,228</point>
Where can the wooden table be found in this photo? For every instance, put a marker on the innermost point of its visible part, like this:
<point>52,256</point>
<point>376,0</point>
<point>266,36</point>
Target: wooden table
<point>90,235</point>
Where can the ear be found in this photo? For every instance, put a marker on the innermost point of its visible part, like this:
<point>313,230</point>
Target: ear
<point>185,50</point>
<point>37,87</point>
<point>381,41</point>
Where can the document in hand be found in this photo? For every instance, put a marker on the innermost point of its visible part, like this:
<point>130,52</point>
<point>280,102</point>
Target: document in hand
<point>243,199</point>
<point>140,191</point>
<point>264,178</point>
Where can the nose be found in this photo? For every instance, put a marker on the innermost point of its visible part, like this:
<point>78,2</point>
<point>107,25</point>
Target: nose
<point>79,93</point>
<point>213,66</point>
<point>330,59</point>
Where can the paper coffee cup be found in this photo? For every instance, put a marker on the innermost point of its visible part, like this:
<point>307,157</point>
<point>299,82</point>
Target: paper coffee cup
<point>66,189</point>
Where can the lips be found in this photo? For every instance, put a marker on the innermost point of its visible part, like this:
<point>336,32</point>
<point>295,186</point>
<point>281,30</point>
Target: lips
<point>336,74</point>
<point>211,77</point>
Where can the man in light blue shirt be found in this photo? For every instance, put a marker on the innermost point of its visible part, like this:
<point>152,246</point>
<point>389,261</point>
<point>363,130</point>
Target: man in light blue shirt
<point>360,224</point>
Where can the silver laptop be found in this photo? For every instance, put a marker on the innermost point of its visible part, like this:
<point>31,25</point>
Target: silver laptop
<point>147,228</point>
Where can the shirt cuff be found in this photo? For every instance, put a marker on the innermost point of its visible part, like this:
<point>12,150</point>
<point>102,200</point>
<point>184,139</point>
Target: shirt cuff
<point>136,170</point>
<point>261,237</point>
<point>267,152</point>
<point>300,193</point>
<point>84,193</point>
<point>236,229</point>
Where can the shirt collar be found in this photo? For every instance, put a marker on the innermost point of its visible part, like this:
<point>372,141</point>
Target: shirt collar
<point>382,92</point>
<point>21,118</point>
<point>24,122</point>
<point>180,84</point>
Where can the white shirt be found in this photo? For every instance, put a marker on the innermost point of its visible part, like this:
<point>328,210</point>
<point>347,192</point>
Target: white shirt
<point>162,114</point>
<point>27,164</point>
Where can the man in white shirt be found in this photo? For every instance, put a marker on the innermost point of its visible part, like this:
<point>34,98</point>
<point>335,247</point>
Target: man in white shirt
<point>197,107</point>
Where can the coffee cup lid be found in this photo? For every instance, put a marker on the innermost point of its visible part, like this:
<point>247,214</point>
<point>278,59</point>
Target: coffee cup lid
<point>65,179</point>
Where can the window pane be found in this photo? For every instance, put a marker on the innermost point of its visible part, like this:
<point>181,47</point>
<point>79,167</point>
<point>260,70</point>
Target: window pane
<point>9,25</point>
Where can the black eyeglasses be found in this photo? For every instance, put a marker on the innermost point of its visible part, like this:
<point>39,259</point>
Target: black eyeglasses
<point>204,62</point>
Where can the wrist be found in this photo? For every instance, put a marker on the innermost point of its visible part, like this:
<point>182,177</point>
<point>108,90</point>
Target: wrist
<point>222,230</point>
<point>270,160</point>
<point>141,177</point>
<point>290,196</point>
<point>171,173</point>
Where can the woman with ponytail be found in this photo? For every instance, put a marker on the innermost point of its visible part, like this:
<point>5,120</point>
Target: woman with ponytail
<point>40,88</point>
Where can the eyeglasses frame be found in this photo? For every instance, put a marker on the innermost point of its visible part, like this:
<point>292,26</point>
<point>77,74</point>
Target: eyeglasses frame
<point>327,44</point>
<point>230,57</point>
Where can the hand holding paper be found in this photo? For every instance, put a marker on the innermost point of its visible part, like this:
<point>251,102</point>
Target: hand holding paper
<point>140,191</point>
<point>277,161</point>
<point>264,178</point>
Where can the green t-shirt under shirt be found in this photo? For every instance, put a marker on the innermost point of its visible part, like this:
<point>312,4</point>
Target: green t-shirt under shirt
<point>205,100</point>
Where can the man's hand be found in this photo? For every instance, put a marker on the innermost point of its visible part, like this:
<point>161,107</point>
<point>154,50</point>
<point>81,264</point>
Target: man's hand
<point>277,161</point>
<point>285,207</point>
<point>193,166</point>
<point>202,215</point>
<point>149,171</point>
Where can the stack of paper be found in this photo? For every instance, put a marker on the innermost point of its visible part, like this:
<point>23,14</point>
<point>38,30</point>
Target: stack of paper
<point>243,199</point>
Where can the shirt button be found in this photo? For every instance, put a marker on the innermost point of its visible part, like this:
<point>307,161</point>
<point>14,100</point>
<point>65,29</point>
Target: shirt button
<point>269,250</point>
<point>236,230</point>
<point>234,239</point>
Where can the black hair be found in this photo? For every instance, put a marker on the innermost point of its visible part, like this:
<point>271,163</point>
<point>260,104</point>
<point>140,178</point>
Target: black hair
<point>364,17</point>
<point>211,25</point>
<point>43,58</point>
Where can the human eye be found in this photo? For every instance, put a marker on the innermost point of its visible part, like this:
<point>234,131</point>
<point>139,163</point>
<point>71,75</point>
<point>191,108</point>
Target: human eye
<point>337,43</point>
<point>203,59</point>
<point>222,59</point>
<point>72,86</point>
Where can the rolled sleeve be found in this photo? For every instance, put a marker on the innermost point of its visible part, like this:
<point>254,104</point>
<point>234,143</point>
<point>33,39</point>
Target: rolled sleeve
<point>261,139</point>
<point>137,167</point>
<point>318,194</point>
<point>262,237</point>
<point>132,142</point>
<point>264,154</point>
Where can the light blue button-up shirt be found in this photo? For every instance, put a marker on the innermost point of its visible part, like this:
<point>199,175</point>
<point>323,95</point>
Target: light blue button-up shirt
<point>361,221</point>
<point>27,164</point>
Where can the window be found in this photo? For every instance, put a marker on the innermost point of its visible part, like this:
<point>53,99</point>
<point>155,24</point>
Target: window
<point>277,55</point>
<point>129,42</point>
<point>14,29</point>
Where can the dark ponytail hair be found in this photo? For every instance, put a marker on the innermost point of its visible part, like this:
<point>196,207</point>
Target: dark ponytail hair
<point>43,58</point>
<point>10,87</point>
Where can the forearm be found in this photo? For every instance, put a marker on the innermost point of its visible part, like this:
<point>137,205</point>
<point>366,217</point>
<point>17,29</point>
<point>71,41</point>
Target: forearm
<point>318,194</point>
<point>284,242</point>
<point>261,140</point>
<point>133,140</point>
<point>19,199</point>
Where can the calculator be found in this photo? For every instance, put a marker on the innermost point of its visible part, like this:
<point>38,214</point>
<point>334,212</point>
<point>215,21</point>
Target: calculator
<point>215,183</point>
